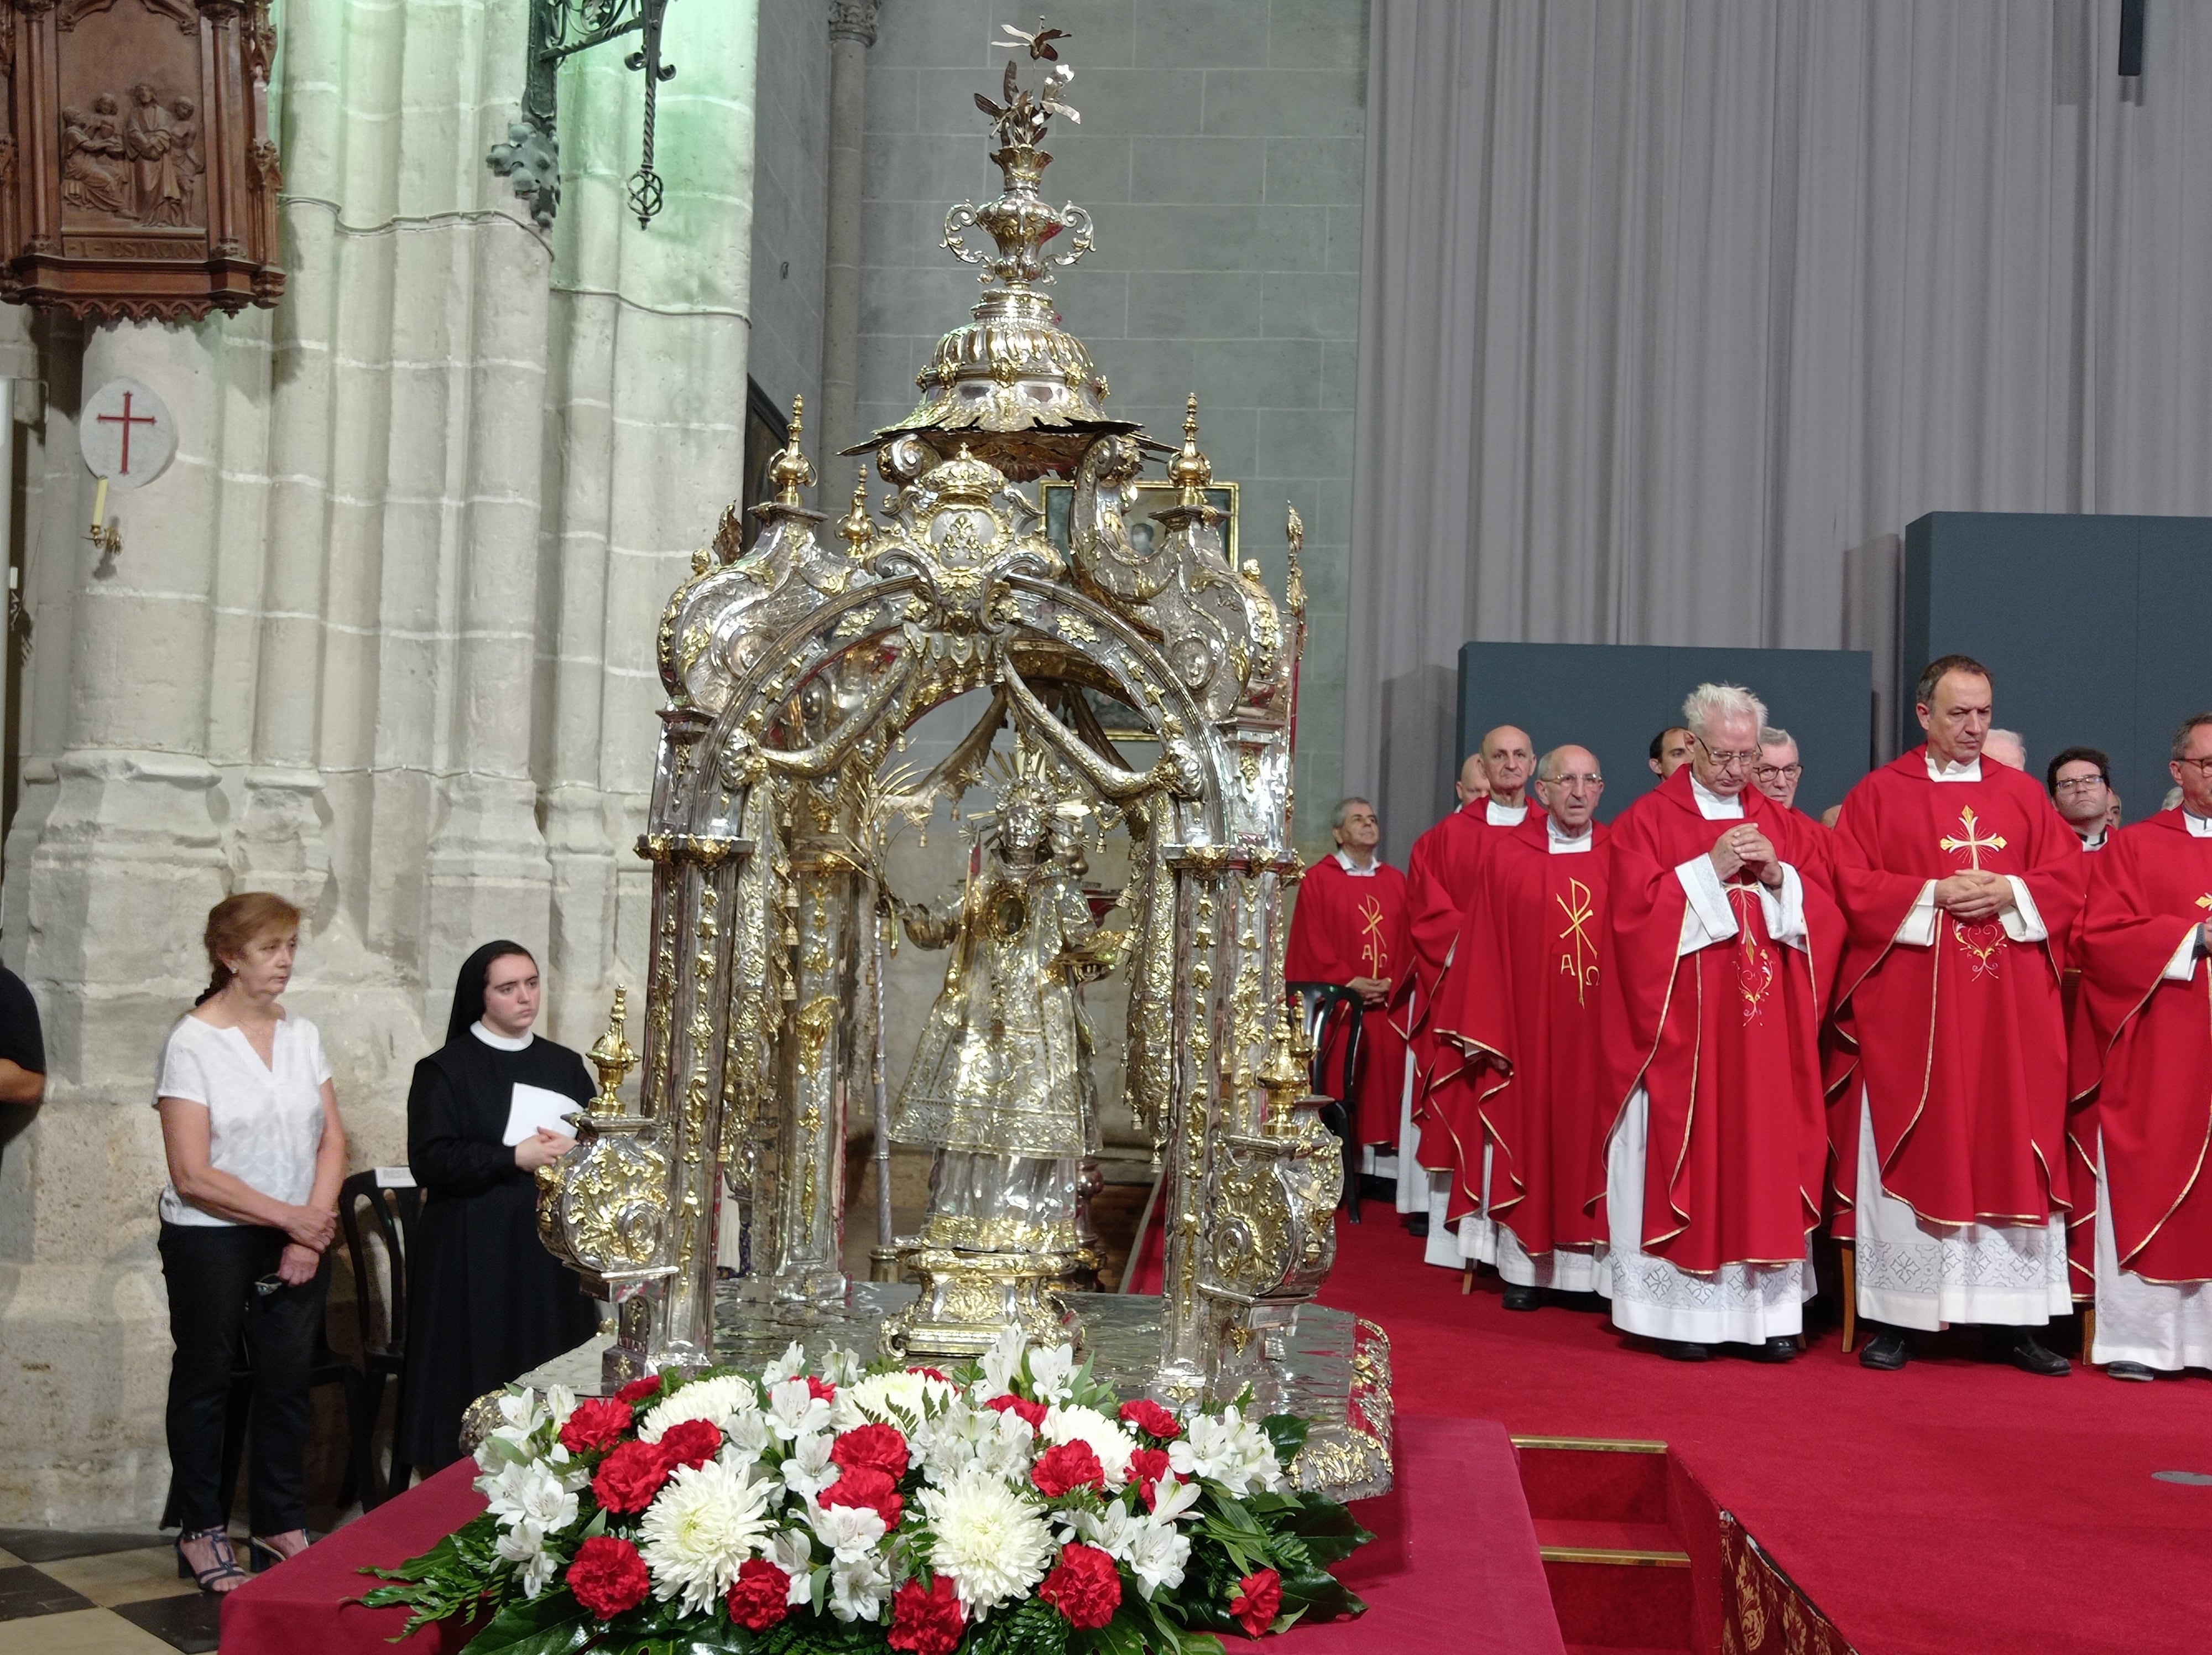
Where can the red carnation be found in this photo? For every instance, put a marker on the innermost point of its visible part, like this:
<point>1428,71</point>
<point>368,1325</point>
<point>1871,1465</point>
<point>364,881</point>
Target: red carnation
<point>937,1374</point>
<point>927,1619</point>
<point>761,1596</point>
<point>1085,1586</point>
<point>1010,1403</point>
<point>608,1576</point>
<point>638,1389</point>
<point>1147,1467</point>
<point>691,1442</point>
<point>628,1478</point>
<point>863,1485</point>
<point>1149,1417</point>
<point>597,1423</point>
<point>1259,1598</point>
<point>1068,1465</point>
<point>876,1447</point>
<point>821,1390</point>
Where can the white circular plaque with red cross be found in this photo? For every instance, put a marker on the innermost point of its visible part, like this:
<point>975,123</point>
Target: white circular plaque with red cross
<point>126,434</point>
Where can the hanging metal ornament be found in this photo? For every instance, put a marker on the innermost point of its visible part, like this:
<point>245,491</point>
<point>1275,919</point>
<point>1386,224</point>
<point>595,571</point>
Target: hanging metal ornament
<point>531,155</point>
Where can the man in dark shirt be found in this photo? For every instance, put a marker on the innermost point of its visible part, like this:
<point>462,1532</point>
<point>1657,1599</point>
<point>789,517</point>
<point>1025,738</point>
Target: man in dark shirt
<point>22,1055</point>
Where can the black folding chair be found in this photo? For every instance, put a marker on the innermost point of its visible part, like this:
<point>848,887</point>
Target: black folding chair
<point>393,1208</point>
<point>1320,1003</point>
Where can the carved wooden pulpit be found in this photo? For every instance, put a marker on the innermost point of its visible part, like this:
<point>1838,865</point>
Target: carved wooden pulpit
<point>137,176</point>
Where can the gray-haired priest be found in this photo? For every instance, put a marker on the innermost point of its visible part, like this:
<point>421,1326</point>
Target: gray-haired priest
<point>1721,931</point>
<point>2146,983</point>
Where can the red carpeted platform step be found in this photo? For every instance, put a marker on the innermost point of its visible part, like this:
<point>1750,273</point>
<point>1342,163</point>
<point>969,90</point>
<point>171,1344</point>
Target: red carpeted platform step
<point>1617,1605</point>
<point>1620,1577</point>
<point>1584,1477</point>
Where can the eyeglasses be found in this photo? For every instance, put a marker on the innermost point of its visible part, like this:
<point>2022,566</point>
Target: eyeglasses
<point>2202,766</point>
<point>1776,772</point>
<point>1726,761</point>
<point>2083,783</point>
<point>1574,781</point>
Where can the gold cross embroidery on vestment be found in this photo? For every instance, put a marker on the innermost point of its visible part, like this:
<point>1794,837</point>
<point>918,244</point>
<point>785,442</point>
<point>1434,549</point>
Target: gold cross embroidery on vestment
<point>1984,943</point>
<point>1372,948</point>
<point>1578,955</point>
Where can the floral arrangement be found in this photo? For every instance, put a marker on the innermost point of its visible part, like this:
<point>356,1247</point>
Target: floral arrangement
<point>1009,1507</point>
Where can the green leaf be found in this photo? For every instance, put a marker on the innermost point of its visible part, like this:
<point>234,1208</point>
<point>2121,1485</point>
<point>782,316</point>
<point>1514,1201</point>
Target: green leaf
<point>553,1625</point>
<point>1288,1433</point>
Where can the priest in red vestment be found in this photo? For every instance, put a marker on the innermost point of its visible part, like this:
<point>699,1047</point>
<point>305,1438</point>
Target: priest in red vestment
<point>1720,943</point>
<point>1349,928</point>
<point>1521,1003</point>
<point>1439,879</point>
<point>1962,885</point>
<point>2147,993</point>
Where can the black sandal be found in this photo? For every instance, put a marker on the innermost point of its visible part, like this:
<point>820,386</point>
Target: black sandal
<point>225,1567</point>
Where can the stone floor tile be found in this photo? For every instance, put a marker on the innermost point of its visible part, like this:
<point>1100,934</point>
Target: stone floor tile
<point>192,1624</point>
<point>24,1592</point>
<point>99,1632</point>
<point>113,1577</point>
<point>46,1545</point>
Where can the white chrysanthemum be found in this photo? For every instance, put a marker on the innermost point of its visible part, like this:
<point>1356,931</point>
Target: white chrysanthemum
<point>1052,1372</point>
<point>528,1492</point>
<point>706,1521</point>
<point>794,1411</point>
<point>524,1544</point>
<point>992,1541</point>
<point>1108,1440</point>
<point>1227,1449</point>
<point>870,1400</point>
<point>718,1399</point>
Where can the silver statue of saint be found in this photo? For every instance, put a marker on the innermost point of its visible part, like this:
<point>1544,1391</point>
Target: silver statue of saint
<point>1000,1086</point>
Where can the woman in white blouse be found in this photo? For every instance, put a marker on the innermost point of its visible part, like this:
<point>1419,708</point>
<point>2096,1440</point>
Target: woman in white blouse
<point>256,1153</point>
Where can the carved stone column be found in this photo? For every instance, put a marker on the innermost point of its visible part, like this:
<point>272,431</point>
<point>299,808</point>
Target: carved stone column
<point>852,32</point>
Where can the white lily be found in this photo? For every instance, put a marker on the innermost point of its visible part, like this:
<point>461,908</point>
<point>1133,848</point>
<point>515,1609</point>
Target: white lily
<point>794,1411</point>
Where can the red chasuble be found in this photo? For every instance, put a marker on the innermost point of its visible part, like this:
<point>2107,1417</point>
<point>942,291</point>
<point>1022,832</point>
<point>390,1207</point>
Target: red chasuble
<point>1523,992</point>
<point>1345,925</point>
<point>2149,887</point>
<point>1962,1045</point>
<point>1725,1039</point>
<point>1439,880</point>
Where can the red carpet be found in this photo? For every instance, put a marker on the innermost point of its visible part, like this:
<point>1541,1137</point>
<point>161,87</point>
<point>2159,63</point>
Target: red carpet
<point>1949,1509</point>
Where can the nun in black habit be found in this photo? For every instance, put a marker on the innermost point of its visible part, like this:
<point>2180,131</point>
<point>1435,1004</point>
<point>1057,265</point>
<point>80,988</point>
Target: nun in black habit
<point>486,1302</point>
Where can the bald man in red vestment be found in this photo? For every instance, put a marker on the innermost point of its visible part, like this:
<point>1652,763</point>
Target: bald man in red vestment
<point>2147,991</point>
<point>1440,877</point>
<point>1962,885</point>
<point>1721,940</point>
<point>1349,928</point>
<point>1521,1003</point>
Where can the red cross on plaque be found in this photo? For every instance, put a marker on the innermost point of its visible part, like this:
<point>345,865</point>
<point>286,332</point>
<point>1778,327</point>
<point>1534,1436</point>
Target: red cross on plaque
<point>126,419</point>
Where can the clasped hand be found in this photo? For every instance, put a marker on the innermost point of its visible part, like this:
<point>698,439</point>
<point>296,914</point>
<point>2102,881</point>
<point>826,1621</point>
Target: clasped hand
<point>1975,896</point>
<point>1371,990</point>
<point>1745,849</point>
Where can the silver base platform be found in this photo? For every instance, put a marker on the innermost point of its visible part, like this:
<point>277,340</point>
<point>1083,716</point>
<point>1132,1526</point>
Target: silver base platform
<point>1335,1368</point>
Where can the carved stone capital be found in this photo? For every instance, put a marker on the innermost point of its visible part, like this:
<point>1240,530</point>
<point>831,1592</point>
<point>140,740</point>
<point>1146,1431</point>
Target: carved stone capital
<point>852,20</point>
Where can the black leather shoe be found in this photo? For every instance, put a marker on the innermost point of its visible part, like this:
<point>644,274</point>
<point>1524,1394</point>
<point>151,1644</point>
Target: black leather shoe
<point>1782,1347</point>
<point>2128,1370</point>
<point>1685,1350</point>
<point>2021,1349</point>
<point>1522,1298</point>
<point>1416,1223</point>
<point>1886,1351</point>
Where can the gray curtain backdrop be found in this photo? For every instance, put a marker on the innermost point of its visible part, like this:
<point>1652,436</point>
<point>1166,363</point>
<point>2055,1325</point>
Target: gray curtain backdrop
<point>1675,314</point>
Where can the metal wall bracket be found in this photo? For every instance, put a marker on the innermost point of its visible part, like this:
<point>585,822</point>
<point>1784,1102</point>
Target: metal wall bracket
<point>531,155</point>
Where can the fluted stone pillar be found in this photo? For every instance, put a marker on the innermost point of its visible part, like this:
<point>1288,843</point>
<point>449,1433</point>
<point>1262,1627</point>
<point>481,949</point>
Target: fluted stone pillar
<point>852,32</point>
<point>129,860</point>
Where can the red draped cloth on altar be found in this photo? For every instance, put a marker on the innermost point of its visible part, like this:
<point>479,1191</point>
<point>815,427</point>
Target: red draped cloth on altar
<point>2149,889</point>
<point>300,1608</point>
<point>1347,925</point>
<point>1962,1044</point>
<point>1523,993</point>
<point>1440,879</point>
<point>1725,1039</point>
